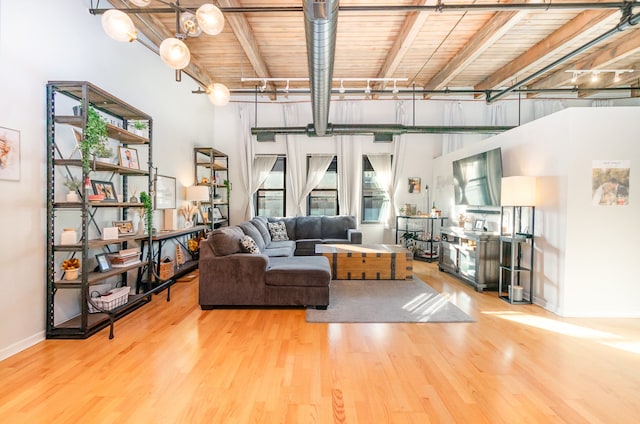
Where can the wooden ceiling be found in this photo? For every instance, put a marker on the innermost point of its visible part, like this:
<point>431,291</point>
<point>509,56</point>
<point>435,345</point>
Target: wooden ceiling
<point>451,49</point>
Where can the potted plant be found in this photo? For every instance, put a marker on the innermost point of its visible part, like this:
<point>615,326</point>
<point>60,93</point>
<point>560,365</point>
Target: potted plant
<point>147,205</point>
<point>138,127</point>
<point>71,268</point>
<point>73,185</point>
<point>227,184</point>
<point>95,139</point>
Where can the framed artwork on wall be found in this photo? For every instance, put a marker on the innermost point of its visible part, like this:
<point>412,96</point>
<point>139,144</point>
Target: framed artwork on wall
<point>165,192</point>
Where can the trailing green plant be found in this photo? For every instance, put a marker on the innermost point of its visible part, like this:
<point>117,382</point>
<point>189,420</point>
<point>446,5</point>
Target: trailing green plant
<point>147,205</point>
<point>95,139</point>
<point>227,184</point>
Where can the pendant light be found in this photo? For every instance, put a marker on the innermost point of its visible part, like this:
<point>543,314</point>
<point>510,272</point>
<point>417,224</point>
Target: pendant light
<point>218,94</point>
<point>141,3</point>
<point>189,24</point>
<point>175,53</point>
<point>119,26</point>
<point>210,18</point>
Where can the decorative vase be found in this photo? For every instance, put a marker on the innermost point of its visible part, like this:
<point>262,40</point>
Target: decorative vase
<point>68,236</point>
<point>72,196</point>
<point>71,274</point>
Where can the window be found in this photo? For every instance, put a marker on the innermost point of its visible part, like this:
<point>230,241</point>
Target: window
<point>323,199</point>
<point>374,199</point>
<point>270,197</point>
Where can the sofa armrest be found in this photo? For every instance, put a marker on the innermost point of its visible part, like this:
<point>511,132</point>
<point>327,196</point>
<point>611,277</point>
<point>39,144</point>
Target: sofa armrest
<point>354,236</point>
<point>232,280</point>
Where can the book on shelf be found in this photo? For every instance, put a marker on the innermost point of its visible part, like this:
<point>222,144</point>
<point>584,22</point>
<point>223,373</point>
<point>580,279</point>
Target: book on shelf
<point>125,264</point>
<point>125,257</point>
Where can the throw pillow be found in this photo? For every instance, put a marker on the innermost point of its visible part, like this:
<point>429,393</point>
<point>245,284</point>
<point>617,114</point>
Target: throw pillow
<point>249,245</point>
<point>278,231</point>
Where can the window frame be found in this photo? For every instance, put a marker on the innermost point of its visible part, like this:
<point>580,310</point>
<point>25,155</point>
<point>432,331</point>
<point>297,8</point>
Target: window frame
<point>367,167</point>
<point>334,166</point>
<point>256,197</point>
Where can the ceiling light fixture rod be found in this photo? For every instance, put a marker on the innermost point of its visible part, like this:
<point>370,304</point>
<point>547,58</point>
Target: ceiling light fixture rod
<point>449,91</point>
<point>440,8</point>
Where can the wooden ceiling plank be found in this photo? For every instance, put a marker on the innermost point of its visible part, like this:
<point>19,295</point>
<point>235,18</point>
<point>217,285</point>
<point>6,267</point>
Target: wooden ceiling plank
<point>495,28</point>
<point>411,27</point>
<point>615,51</point>
<point>566,34</point>
<point>242,30</point>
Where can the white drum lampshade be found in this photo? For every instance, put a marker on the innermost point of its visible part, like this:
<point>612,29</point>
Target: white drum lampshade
<point>518,191</point>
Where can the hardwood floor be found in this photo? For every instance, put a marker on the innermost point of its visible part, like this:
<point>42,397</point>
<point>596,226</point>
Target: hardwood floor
<point>173,363</point>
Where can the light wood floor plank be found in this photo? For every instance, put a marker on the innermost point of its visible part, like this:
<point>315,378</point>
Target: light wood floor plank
<point>170,362</point>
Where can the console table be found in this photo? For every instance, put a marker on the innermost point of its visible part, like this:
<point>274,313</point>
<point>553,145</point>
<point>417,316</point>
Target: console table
<point>159,241</point>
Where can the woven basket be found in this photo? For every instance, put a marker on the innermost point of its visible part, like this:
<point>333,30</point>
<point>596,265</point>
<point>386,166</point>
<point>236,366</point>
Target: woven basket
<point>116,297</point>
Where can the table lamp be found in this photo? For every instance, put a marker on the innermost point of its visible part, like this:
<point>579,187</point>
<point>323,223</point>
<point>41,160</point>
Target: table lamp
<point>197,194</point>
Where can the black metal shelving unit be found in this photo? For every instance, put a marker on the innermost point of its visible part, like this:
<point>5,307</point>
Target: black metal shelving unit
<point>516,254</point>
<point>211,169</point>
<point>425,239</point>
<point>71,319</point>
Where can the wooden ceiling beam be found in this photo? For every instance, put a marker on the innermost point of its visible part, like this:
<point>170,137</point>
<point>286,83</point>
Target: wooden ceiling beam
<point>601,58</point>
<point>411,28</point>
<point>492,31</point>
<point>586,22</point>
<point>240,26</point>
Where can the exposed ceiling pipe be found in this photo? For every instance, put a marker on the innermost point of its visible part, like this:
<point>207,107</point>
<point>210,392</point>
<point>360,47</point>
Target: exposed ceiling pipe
<point>320,24</point>
<point>370,129</point>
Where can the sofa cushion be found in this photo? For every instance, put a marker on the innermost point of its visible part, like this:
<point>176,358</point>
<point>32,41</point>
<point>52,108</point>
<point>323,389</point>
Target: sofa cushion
<point>290,223</point>
<point>251,230</point>
<point>301,271</point>
<point>226,240</point>
<point>336,227</point>
<point>260,222</point>
<point>249,245</point>
<point>308,227</point>
<point>278,231</point>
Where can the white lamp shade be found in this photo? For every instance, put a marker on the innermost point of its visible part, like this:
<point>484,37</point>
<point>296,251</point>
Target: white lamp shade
<point>518,191</point>
<point>118,25</point>
<point>197,193</point>
<point>210,18</point>
<point>175,53</point>
<point>218,94</point>
<point>141,3</point>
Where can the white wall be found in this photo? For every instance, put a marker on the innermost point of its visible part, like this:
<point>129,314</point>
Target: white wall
<point>584,260</point>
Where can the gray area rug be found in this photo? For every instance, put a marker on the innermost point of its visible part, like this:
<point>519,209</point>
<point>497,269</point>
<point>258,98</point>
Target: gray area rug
<point>386,301</point>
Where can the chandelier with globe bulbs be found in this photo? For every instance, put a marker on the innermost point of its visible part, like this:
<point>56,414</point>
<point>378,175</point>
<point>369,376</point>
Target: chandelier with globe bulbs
<point>174,52</point>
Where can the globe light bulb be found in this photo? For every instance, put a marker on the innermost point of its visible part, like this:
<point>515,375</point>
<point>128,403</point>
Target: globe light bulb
<point>218,94</point>
<point>119,26</point>
<point>175,53</point>
<point>141,3</point>
<point>210,19</point>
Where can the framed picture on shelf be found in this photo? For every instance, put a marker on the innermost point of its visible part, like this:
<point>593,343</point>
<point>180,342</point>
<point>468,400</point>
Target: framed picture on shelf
<point>103,262</point>
<point>124,227</point>
<point>128,157</point>
<point>216,214</point>
<point>165,192</point>
<point>478,224</point>
<point>105,188</point>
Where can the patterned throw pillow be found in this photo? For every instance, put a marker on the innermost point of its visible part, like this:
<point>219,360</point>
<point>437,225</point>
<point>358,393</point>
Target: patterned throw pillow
<point>278,231</point>
<point>249,245</point>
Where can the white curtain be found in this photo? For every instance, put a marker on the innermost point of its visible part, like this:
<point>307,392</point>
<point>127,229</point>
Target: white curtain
<point>349,162</point>
<point>396,164</point>
<point>295,160</point>
<point>453,115</point>
<point>547,107</point>
<point>318,165</point>
<point>381,164</point>
<point>246,158</point>
<point>262,166</point>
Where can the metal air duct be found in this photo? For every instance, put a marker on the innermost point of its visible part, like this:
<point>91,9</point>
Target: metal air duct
<point>320,24</point>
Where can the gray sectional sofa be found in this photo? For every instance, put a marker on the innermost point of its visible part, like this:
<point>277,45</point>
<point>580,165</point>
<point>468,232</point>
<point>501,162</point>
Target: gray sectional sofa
<point>282,273</point>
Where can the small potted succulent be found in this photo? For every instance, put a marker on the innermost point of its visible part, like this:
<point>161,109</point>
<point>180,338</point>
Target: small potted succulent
<point>138,127</point>
<point>71,268</point>
<point>73,185</point>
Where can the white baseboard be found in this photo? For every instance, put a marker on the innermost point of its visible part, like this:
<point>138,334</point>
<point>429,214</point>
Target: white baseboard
<point>21,345</point>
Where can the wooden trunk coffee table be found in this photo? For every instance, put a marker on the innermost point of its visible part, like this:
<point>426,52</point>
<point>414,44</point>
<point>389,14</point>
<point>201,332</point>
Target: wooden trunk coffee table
<point>368,261</point>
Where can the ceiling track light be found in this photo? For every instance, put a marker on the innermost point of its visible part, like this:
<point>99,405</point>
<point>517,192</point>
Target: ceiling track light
<point>595,73</point>
<point>341,90</point>
<point>595,76</point>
